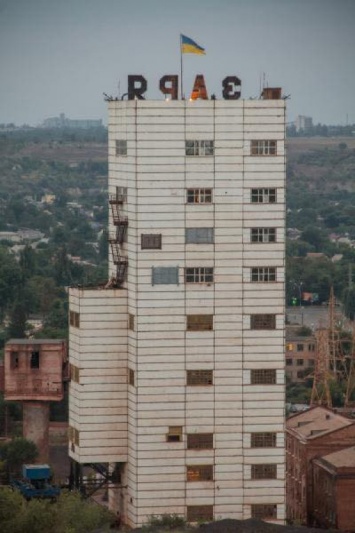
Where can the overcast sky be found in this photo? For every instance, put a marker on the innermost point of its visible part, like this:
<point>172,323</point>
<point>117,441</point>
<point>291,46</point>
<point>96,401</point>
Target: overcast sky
<point>59,56</point>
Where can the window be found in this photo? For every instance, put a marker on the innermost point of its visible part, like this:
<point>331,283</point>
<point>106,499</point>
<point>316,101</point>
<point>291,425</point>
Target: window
<point>174,434</point>
<point>299,362</point>
<point>199,147</point>
<point>199,473</point>
<point>289,362</point>
<point>198,513</point>
<point>262,321</point>
<point>121,194</point>
<point>311,362</point>
<point>131,377</point>
<point>263,440</point>
<point>300,347</point>
<point>311,347</point>
<point>200,441</point>
<point>14,360</point>
<point>165,276</point>
<point>74,373</point>
<point>199,322</point>
<point>289,347</point>
<point>263,511</point>
<point>130,321</point>
<point>263,376</point>
<point>199,236</point>
<point>151,241</point>
<point>121,147</point>
<point>263,234</point>
<point>74,319</point>
<point>263,196</point>
<point>199,196</point>
<point>263,471</point>
<point>199,275</point>
<point>34,361</point>
<point>260,274</point>
<point>300,374</point>
<point>263,147</point>
<point>199,377</point>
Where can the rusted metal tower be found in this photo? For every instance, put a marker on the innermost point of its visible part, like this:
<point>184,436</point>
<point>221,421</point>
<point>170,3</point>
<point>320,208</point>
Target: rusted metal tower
<point>322,374</point>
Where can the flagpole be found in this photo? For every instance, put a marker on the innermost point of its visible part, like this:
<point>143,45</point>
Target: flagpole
<point>181,73</point>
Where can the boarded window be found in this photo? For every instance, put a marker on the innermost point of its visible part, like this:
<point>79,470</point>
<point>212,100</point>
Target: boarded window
<point>198,513</point>
<point>263,147</point>
<point>199,275</point>
<point>263,376</point>
<point>121,147</point>
<point>199,473</point>
<point>263,274</point>
<point>200,441</point>
<point>199,196</point>
<point>264,511</point>
<point>264,471</point>
<point>165,276</point>
<point>174,434</point>
<point>199,235</point>
<point>263,196</point>
<point>74,373</point>
<point>263,440</point>
<point>262,321</point>
<point>151,241</point>
<point>199,377</point>
<point>34,360</point>
<point>199,148</point>
<point>73,435</point>
<point>263,234</point>
<point>131,377</point>
<point>74,319</point>
<point>199,322</point>
<point>130,321</point>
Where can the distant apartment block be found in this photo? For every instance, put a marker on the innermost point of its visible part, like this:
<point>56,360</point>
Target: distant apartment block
<point>300,355</point>
<point>177,362</point>
<point>63,122</point>
<point>303,123</point>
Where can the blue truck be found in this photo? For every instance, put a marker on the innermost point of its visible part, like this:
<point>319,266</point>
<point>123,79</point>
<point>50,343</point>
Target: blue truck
<point>35,482</point>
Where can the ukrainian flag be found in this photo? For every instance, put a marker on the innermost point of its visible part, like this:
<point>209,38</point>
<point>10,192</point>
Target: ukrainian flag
<point>188,46</point>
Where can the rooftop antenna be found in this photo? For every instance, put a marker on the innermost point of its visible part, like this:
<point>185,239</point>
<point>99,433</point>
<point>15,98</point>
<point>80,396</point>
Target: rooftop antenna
<point>119,89</point>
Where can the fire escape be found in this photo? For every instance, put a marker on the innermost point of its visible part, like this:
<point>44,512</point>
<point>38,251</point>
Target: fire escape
<point>117,237</point>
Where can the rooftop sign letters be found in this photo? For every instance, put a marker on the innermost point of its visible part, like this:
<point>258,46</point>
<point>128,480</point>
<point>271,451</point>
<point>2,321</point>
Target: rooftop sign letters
<point>169,85</point>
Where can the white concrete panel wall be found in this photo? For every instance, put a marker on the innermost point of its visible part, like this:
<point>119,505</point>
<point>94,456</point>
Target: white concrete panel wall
<point>98,397</point>
<point>160,350</point>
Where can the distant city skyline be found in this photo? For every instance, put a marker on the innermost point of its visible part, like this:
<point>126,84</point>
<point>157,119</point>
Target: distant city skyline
<point>60,57</point>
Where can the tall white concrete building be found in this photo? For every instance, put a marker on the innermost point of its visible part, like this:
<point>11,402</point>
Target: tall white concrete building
<point>178,362</point>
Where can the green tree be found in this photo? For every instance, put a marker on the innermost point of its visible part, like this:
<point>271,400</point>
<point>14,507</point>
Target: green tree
<point>17,452</point>
<point>17,323</point>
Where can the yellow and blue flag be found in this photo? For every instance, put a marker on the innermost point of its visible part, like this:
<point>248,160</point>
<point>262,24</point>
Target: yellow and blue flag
<point>188,46</point>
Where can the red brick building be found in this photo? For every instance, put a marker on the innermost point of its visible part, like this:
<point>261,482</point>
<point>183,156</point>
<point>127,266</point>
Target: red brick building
<point>311,435</point>
<point>34,374</point>
<point>334,489</point>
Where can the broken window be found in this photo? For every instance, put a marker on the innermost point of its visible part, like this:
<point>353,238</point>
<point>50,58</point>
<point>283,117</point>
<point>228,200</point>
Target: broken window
<point>264,511</point>
<point>263,235</point>
<point>198,513</point>
<point>199,275</point>
<point>263,440</point>
<point>262,321</point>
<point>199,473</point>
<point>264,471</point>
<point>34,361</point>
